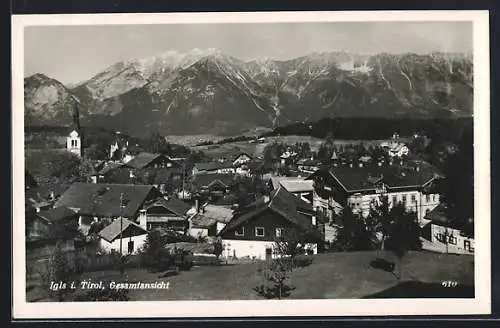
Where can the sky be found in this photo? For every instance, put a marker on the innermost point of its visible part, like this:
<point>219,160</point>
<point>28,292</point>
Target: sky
<point>73,54</point>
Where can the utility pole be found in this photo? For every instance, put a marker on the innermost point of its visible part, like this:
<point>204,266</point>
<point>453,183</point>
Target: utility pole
<point>121,233</point>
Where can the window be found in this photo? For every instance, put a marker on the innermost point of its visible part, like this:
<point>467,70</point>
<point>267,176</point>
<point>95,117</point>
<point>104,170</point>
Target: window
<point>280,232</point>
<point>240,231</point>
<point>131,246</point>
<point>427,198</point>
<point>413,198</point>
<point>259,231</point>
<point>394,200</point>
<point>404,199</point>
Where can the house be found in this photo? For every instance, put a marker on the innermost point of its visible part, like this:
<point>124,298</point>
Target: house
<point>411,183</point>
<point>95,202</point>
<point>287,157</point>
<point>50,223</point>
<point>145,160</point>
<point>109,172</point>
<point>308,165</point>
<point>167,180</point>
<point>130,235</point>
<point>254,228</point>
<point>169,214</point>
<point>213,185</point>
<point>209,220</point>
<point>241,158</point>
<point>394,147</point>
<point>213,168</point>
<point>299,187</point>
<point>441,235</point>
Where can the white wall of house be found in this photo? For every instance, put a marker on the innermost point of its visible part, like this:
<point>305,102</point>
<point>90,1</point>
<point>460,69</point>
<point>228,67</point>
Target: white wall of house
<point>414,201</point>
<point>253,248</point>
<point>198,232</point>
<point>115,245</point>
<point>457,244</point>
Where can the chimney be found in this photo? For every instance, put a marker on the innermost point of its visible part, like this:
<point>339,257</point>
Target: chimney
<point>142,219</point>
<point>52,195</point>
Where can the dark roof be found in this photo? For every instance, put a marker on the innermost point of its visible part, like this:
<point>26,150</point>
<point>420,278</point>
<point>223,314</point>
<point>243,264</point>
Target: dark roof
<point>29,180</point>
<point>142,160</point>
<point>308,162</point>
<point>128,229</point>
<point>164,174</point>
<point>174,205</point>
<point>104,199</point>
<point>281,202</point>
<point>212,166</point>
<point>204,180</point>
<point>393,176</point>
<point>108,167</point>
<point>58,214</point>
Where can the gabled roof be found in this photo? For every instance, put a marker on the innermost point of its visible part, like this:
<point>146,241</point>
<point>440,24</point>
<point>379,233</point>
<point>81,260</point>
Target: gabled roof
<point>174,205</point>
<point>58,214</point>
<point>143,159</point>
<point>128,229</point>
<point>103,200</point>
<point>410,174</point>
<point>108,167</point>
<point>205,180</point>
<point>213,166</point>
<point>281,202</point>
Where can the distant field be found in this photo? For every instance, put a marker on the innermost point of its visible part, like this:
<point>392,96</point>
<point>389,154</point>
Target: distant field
<point>331,276</point>
<point>256,149</point>
<point>191,140</point>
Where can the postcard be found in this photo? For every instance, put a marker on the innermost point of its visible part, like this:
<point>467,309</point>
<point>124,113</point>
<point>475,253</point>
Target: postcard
<point>251,164</point>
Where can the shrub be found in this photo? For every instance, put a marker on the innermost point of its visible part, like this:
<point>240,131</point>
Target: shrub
<point>302,261</point>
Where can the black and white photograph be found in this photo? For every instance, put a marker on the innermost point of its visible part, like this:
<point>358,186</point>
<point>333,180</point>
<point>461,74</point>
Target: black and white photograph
<point>251,158</point>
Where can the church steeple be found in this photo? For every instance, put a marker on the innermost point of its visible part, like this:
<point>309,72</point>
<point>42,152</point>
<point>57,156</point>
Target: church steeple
<point>74,140</point>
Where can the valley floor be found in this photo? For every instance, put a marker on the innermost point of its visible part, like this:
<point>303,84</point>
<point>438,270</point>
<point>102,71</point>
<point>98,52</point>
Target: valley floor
<point>330,276</point>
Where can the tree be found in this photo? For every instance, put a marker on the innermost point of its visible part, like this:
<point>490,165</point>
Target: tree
<point>218,248</point>
<point>153,255</point>
<point>293,242</point>
<point>457,188</point>
<point>58,271</point>
<point>276,272</point>
<point>352,233</point>
<point>404,234</point>
<point>378,222</point>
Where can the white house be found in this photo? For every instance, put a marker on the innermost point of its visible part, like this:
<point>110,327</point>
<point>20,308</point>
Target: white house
<point>411,184</point>
<point>440,235</point>
<point>131,235</point>
<point>252,231</point>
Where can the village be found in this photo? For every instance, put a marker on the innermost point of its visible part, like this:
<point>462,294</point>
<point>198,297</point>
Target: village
<point>163,216</point>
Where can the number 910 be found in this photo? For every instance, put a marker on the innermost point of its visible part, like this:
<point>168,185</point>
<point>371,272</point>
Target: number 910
<point>449,283</point>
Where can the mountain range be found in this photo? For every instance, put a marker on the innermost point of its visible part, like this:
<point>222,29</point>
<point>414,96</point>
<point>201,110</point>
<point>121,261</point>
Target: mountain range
<point>206,91</point>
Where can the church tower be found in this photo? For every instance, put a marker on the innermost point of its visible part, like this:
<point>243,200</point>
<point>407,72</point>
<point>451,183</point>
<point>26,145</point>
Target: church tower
<point>74,140</point>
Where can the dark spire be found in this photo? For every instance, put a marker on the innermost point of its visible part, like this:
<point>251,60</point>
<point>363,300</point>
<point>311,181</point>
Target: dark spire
<point>76,117</point>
